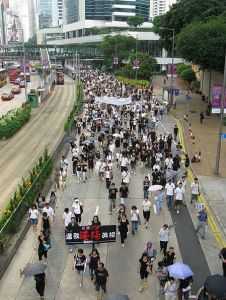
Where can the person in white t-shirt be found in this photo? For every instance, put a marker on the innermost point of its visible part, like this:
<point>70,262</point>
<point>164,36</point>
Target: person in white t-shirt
<point>134,218</point>
<point>178,197</point>
<point>169,188</point>
<point>77,207</point>
<point>146,210</point>
<point>126,176</point>
<point>50,212</point>
<point>33,216</point>
<point>195,190</point>
<point>164,238</point>
<point>67,215</point>
<point>184,186</point>
<point>124,163</point>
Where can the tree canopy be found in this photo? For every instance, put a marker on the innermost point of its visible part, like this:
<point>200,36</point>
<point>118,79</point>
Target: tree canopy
<point>118,45</point>
<point>135,21</point>
<point>204,43</point>
<point>147,66</point>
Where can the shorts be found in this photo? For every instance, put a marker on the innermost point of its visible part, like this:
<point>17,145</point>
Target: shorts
<point>143,275</point>
<point>178,202</point>
<point>194,197</point>
<point>34,221</point>
<point>80,272</point>
<point>101,287</point>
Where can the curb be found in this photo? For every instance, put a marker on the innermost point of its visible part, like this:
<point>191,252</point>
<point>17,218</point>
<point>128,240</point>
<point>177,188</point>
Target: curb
<point>213,219</point>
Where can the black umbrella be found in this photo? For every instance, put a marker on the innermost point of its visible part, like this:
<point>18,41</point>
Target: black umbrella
<point>33,269</point>
<point>117,297</point>
<point>216,285</point>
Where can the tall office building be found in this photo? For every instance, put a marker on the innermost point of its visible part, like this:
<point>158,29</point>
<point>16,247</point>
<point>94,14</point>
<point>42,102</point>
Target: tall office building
<point>50,13</point>
<point>160,7</point>
<point>106,10</point>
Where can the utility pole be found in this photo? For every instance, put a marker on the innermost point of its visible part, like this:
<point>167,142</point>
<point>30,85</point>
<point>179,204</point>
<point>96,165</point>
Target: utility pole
<point>172,69</point>
<point>24,68</point>
<point>221,121</point>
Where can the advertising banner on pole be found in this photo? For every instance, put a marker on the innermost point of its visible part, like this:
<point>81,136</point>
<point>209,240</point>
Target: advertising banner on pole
<point>172,69</point>
<point>115,60</point>
<point>216,98</point>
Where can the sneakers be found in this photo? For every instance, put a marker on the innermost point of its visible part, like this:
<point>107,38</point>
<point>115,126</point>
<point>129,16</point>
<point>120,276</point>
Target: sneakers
<point>140,289</point>
<point>80,285</point>
<point>119,233</point>
<point>132,235</point>
<point>71,250</point>
<point>146,225</point>
<point>109,212</point>
<point>123,245</point>
<point>178,212</point>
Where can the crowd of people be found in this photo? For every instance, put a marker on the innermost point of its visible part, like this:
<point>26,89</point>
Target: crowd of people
<point>124,139</point>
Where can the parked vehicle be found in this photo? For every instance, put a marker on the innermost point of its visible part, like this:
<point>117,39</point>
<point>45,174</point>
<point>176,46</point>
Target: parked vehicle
<point>6,96</point>
<point>16,90</point>
<point>22,84</point>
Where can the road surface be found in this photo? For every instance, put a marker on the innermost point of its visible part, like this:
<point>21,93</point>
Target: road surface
<point>45,129</point>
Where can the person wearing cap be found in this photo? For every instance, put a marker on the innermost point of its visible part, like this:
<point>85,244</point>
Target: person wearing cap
<point>202,222</point>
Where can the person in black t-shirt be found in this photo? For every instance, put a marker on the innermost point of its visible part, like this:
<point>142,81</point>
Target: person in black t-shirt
<point>124,192</point>
<point>169,257</point>
<point>94,259</point>
<point>79,264</point>
<point>100,279</point>
<point>112,197</point>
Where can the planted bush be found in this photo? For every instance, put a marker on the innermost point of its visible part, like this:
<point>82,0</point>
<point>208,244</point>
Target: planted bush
<point>77,107</point>
<point>25,195</point>
<point>13,121</point>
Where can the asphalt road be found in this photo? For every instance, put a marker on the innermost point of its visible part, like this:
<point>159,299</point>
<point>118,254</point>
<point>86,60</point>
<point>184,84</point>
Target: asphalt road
<point>45,129</point>
<point>17,101</point>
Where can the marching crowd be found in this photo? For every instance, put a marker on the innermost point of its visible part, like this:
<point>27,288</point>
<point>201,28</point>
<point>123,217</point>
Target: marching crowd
<point>124,138</point>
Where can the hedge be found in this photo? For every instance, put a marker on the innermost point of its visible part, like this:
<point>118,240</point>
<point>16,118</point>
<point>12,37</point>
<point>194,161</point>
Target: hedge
<point>13,121</point>
<point>134,82</point>
<point>77,107</point>
<point>24,196</point>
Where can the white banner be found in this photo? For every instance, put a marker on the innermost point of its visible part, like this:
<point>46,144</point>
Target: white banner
<point>113,100</point>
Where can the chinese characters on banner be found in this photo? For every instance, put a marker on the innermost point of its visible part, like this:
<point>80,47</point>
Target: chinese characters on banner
<point>91,234</point>
<point>216,100</point>
<point>171,69</point>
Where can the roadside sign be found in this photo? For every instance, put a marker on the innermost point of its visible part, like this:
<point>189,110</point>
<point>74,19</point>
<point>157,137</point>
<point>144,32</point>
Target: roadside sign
<point>223,136</point>
<point>136,64</point>
<point>200,206</point>
<point>175,92</point>
<point>115,60</point>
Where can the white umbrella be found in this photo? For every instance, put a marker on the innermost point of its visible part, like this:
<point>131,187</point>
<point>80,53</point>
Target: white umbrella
<point>155,188</point>
<point>117,134</point>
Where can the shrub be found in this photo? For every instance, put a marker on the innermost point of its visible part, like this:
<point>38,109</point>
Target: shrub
<point>188,75</point>
<point>13,121</point>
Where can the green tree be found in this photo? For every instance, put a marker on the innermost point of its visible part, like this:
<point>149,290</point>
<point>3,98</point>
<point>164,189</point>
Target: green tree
<point>184,12</point>
<point>147,65</point>
<point>135,21</point>
<point>188,75</point>
<point>204,42</point>
<point>118,45</point>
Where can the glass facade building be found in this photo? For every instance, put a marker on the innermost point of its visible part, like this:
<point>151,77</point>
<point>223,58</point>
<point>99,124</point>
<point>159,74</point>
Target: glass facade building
<point>44,8</point>
<point>98,9</point>
<point>71,11</point>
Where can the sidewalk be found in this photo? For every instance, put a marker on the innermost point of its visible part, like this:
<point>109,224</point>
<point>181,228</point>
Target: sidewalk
<point>206,137</point>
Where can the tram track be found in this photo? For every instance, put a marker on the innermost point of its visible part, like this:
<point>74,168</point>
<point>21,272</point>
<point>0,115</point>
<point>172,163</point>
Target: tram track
<point>24,149</point>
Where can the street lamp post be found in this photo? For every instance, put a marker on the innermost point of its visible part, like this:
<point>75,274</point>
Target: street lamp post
<point>136,59</point>
<point>24,68</point>
<point>221,121</point>
<point>171,82</point>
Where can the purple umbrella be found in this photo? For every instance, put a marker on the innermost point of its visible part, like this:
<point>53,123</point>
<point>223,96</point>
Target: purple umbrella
<point>180,271</point>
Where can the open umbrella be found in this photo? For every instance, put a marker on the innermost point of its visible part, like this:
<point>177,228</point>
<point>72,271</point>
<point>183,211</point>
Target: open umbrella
<point>216,285</point>
<point>117,135</point>
<point>180,271</point>
<point>69,139</point>
<point>105,129</point>
<point>33,269</point>
<point>92,139</point>
<point>86,142</point>
<point>118,297</point>
<point>155,188</point>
